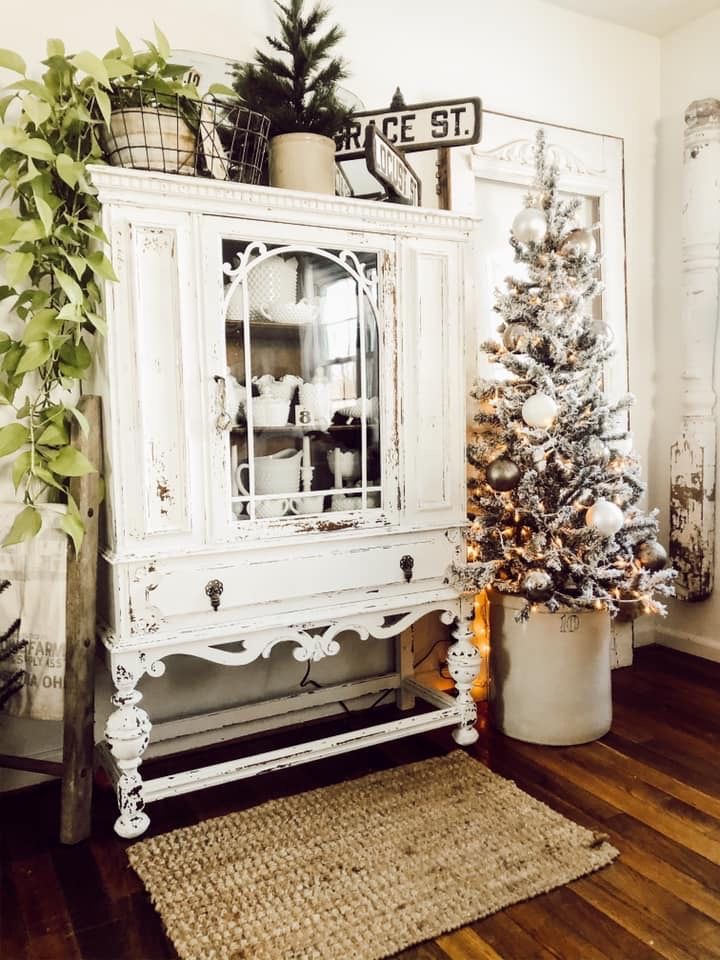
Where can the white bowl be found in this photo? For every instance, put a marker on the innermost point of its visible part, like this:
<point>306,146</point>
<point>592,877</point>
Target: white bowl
<point>299,313</point>
<point>349,462</point>
<point>265,510</point>
<point>270,411</point>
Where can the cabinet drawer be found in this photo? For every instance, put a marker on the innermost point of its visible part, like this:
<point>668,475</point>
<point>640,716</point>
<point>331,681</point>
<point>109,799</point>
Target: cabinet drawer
<point>177,592</point>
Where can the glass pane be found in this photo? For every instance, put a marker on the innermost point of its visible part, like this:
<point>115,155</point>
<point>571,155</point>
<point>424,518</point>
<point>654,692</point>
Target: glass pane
<point>301,331</point>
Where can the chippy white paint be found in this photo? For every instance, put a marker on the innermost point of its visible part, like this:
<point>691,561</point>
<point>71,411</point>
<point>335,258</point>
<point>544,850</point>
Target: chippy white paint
<point>182,575</point>
<point>693,456</point>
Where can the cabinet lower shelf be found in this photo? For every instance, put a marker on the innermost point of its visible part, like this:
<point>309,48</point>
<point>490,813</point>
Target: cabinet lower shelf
<point>444,711</point>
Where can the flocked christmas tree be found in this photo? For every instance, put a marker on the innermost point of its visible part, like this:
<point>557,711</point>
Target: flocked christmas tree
<point>554,501</point>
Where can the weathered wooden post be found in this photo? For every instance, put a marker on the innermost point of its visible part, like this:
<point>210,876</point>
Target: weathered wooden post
<point>693,457</point>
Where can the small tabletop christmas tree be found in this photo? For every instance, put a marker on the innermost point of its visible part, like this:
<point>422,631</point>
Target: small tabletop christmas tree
<point>554,501</point>
<point>298,92</point>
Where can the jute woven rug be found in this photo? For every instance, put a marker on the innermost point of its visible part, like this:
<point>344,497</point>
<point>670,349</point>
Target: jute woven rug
<point>362,869</point>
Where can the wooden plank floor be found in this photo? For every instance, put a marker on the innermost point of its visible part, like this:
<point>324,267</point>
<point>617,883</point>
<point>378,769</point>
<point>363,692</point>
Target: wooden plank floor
<point>652,784</point>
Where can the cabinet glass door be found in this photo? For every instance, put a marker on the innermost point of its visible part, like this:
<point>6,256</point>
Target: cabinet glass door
<point>303,380</point>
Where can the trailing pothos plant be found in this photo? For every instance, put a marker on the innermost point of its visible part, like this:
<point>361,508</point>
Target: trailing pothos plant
<point>52,259</point>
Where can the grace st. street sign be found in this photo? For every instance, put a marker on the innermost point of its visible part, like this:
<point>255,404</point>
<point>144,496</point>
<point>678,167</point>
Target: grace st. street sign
<point>420,126</point>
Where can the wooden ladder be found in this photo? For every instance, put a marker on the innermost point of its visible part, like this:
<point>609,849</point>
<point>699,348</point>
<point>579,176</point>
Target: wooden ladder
<point>76,767</point>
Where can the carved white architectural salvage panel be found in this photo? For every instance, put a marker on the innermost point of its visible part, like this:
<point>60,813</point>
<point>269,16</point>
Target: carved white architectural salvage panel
<point>693,457</point>
<point>283,418</point>
<point>490,180</point>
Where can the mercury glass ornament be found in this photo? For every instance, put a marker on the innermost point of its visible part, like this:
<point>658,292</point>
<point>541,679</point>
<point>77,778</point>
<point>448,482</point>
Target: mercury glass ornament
<point>606,517</point>
<point>539,410</point>
<point>529,226</point>
<point>652,555</point>
<point>602,330</point>
<point>516,336</point>
<point>502,474</point>
<point>597,451</point>
<point>579,243</point>
<point>537,586</point>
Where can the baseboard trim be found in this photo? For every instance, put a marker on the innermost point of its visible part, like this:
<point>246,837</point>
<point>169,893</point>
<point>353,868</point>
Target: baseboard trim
<point>698,646</point>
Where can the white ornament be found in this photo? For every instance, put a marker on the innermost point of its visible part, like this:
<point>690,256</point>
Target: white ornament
<point>602,330</point>
<point>529,226</point>
<point>539,410</point>
<point>606,517</point>
<point>623,446</point>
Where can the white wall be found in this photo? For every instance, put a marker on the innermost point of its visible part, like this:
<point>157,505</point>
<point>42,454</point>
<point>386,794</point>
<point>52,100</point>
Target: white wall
<point>523,57</point>
<point>689,72</point>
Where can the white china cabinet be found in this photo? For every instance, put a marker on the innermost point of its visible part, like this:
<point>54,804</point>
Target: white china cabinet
<point>283,393</point>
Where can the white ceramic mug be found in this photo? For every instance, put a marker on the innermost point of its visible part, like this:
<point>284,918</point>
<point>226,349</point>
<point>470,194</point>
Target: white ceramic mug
<point>266,509</point>
<point>313,504</point>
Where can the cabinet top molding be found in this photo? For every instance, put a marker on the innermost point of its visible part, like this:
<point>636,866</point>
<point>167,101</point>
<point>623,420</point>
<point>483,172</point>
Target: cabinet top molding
<point>220,197</point>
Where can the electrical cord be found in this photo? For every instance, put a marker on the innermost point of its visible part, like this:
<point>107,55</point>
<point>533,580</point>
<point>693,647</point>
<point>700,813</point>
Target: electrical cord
<point>308,682</point>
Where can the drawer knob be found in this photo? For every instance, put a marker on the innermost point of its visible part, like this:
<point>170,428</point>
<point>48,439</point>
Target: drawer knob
<point>406,565</point>
<point>214,589</point>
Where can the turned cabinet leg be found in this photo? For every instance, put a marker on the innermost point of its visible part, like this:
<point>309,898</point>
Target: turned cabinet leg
<point>464,665</point>
<point>128,733</point>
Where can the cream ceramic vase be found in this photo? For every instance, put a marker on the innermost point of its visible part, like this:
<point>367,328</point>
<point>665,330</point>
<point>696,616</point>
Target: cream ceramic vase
<point>549,675</point>
<point>303,161</point>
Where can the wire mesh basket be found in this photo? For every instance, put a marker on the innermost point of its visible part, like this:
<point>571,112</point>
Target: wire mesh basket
<point>232,142</point>
<point>159,135</point>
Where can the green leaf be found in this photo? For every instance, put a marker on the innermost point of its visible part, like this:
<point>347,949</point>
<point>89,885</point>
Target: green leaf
<point>20,467</point>
<point>73,527</point>
<point>76,355</point>
<point>35,356</point>
<point>8,228</point>
<point>54,435</point>
<point>77,263</point>
<point>67,169</point>
<point>55,48</point>
<point>40,325</point>
<point>11,136</point>
<point>42,474</point>
<point>162,43</point>
<point>13,436</point>
<point>34,147</point>
<point>71,312</point>
<point>33,86</point>
<point>46,214</point>
<point>71,288</point>
<point>32,173</point>
<point>117,68</point>
<point>29,231</point>
<point>103,102</point>
<point>81,419</point>
<point>12,61</point>
<point>37,110</point>
<point>92,65</point>
<point>26,524</point>
<point>4,104</point>
<point>17,267</point>
<point>69,462</point>
<point>102,266</point>
<point>221,90</point>
<point>98,322</point>
<point>5,342</point>
<point>124,44</point>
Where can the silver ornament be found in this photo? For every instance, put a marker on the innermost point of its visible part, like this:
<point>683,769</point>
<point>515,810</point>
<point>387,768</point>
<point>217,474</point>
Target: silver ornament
<point>502,474</point>
<point>652,555</point>
<point>537,586</point>
<point>516,336</point>
<point>529,226</point>
<point>597,451</point>
<point>579,243</point>
<point>606,517</point>
<point>539,410</point>
<point>602,330</point>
